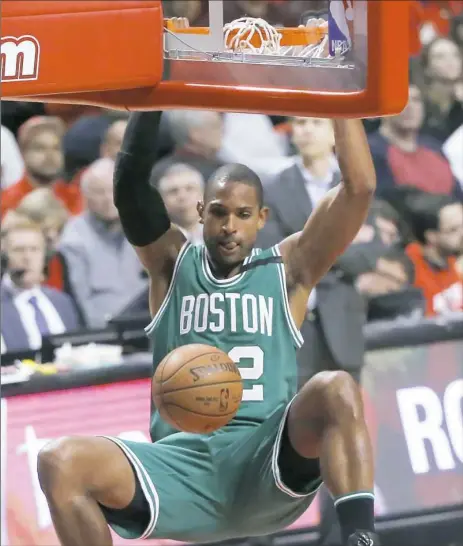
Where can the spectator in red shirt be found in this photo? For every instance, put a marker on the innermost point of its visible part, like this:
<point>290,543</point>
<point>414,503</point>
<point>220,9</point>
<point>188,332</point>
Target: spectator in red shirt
<point>404,157</point>
<point>437,222</point>
<point>40,141</point>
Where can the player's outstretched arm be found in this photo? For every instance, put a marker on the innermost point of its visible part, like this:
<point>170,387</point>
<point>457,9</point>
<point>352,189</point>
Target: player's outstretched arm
<point>141,209</point>
<point>333,225</point>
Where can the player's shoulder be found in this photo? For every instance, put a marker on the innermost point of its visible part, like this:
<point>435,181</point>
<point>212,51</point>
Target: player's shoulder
<point>190,253</point>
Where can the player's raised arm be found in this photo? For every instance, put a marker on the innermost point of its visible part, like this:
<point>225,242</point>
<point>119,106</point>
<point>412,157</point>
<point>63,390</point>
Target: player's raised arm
<point>334,224</point>
<point>141,209</point>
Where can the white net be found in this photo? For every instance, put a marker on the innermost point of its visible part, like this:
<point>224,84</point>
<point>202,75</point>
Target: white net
<point>255,35</point>
<point>241,34</point>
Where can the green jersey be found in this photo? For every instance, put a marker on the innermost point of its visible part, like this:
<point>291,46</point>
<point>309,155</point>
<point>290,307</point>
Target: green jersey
<point>227,484</point>
<point>246,316</point>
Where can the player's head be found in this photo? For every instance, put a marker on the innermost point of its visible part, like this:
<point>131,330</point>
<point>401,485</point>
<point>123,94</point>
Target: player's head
<point>232,213</point>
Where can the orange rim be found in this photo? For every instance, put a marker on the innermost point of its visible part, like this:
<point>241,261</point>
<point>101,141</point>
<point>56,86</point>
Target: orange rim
<point>291,36</point>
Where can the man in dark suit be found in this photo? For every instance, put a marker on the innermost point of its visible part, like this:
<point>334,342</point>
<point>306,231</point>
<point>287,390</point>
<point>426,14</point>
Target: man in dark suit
<point>30,310</point>
<point>333,328</point>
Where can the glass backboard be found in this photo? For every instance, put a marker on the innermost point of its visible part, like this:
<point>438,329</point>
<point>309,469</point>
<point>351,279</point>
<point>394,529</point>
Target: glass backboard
<point>319,45</point>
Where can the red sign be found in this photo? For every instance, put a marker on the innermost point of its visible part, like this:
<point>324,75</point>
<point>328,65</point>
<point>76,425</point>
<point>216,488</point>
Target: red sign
<point>413,405</point>
<point>29,422</point>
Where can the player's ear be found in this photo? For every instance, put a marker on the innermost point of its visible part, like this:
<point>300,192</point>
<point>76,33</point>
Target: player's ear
<point>200,209</point>
<point>263,215</point>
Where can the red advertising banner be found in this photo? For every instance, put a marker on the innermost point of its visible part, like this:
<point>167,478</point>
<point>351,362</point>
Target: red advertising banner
<point>413,399</point>
<point>29,422</point>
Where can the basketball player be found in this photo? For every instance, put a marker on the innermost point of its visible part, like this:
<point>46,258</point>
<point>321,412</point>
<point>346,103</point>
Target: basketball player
<point>259,473</point>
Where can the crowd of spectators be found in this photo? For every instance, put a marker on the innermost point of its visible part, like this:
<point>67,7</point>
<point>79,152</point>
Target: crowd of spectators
<point>66,263</point>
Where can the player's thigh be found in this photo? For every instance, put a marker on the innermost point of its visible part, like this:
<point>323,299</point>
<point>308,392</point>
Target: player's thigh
<point>281,485</point>
<point>179,483</point>
<point>92,464</point>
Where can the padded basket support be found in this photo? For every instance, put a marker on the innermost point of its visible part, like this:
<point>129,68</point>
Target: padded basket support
<point>50,47</point>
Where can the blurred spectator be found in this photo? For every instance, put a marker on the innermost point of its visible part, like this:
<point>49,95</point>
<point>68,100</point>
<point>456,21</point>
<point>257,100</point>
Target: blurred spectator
<point>11,218</point>
<point>104,272</point>
<point>82,143</point>
<point>251,139</point>
<point>196,11</point>
<point>112,139</point>
<point>297,190</point>
<point>389,290</point>
<point>387,222</point>
<point>15,114</point>
<point>12,163</point>
<point>442,66</point>
<point>40,140</point>
<point>437,222</point>
<point>29,309</point>
<point>43,208</point>
<point>197,137</point>
<point>288,14</point>
<point>181,188</point>
<point>403,157</point>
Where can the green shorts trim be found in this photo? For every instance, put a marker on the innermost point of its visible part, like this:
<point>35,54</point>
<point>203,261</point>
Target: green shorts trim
<point>148,488</point>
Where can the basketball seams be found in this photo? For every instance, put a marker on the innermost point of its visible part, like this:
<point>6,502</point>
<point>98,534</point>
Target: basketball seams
<point>163,381</point>
<point>163,365</point>
<point>165,408</point>
<point>233,381</point>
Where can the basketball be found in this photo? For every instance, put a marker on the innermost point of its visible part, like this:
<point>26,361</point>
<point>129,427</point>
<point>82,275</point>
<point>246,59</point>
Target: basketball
<point>197,388</point>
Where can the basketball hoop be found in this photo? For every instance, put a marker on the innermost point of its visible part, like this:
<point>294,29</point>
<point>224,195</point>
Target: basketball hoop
<point>257,36</point>
<point>249,65</point>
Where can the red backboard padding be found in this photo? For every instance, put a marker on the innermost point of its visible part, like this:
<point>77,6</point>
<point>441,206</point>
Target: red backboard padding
<point>84,45</point>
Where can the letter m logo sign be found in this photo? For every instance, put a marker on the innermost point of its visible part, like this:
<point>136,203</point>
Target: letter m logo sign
<point>19,58</point>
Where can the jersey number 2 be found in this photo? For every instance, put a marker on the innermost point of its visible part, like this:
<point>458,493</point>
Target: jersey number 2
<point>252,370</point>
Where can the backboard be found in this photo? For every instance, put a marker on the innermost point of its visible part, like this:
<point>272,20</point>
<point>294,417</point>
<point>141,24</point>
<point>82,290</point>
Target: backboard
<point>290,57</point>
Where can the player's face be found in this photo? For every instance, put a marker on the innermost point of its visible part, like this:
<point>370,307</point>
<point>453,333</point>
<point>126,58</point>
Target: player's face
<point>232,218</point>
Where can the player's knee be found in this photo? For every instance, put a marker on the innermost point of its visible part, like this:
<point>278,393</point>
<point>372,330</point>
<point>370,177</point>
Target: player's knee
<point>340,395</point>
<point>57,461</point>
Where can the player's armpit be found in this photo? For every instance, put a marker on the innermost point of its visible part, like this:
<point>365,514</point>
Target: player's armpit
<point>159,256</point>
<point>159,260</point>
